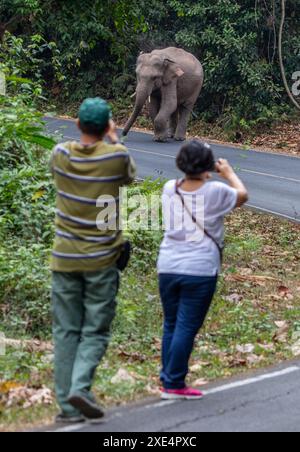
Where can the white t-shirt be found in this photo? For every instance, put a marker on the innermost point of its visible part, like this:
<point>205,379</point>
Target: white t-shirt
<point>186,250</point>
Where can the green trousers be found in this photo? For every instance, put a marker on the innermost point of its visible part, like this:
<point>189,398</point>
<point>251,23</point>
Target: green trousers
<point>84,306</point>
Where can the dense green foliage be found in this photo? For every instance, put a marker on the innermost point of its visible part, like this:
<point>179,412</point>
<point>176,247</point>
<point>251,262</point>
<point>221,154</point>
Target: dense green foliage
<point>26,207</point>
<point>94,39</point>
<point>88,48</point>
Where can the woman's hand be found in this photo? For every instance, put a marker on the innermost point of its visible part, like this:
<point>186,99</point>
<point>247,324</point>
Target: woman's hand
<point>226,171</point>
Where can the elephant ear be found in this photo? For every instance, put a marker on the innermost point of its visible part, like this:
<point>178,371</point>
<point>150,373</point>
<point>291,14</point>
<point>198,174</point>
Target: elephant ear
<point>142,57</point>
<point>172,71</point>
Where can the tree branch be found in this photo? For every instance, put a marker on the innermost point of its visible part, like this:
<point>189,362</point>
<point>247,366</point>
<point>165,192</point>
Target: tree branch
<point>286,85</point>
<point>5,26</point>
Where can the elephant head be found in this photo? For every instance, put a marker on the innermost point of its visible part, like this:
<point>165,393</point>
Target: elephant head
<point>154,71</point>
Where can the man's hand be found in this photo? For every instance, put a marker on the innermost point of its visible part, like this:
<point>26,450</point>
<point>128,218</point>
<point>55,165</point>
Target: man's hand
<point>112,132</point>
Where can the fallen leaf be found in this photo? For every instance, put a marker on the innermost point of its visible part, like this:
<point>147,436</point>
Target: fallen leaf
<point>237,362</point>
<point>295,348</point>
<point>157,343</point>
<point>7,386</point>
<point>254,359</point>
<point>133,356</point>
<point>38,195</point>
<point>283,290</point>
<point>281,324</point>
<point>47,358</point>
<point>246,271</point>
<point>138,376</point>
<point>122,376</point>
<point>30,345</point>
<point>28,397</point>
<point>249,278</point>
<point>247,348</point>
<point>234,298</point>
<point>41,396</point>
<point>153,391</point>
<point>281,334</point>
<point>195,368</point>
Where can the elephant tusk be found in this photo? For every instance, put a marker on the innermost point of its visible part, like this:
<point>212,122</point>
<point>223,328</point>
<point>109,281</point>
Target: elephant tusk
<point>132,95</point>
<point>149,99</point>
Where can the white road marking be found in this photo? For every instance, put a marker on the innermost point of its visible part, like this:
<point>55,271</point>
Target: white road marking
<point>218,389</point>
<point>142,151</point>
<point>78,427</point>
<point>68,429</point>
<point>258,173</point>
<point>251,381</point>
<point>159,404</point>
<point>272,212</point>
<point>290,179</point>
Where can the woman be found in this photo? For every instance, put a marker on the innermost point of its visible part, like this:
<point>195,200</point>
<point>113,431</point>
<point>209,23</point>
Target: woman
<point>190,256</point>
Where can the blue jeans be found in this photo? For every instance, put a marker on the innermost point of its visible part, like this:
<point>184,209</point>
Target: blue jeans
<point>186,301</point>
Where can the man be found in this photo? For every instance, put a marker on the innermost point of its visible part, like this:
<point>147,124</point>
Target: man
<point>85,277</point>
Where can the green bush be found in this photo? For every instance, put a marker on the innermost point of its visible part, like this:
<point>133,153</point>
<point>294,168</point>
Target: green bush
<point>236,42</point>
<point>24,287</point>
<point>32,59</point>
<point>26,189</point>
<point>145,241</point>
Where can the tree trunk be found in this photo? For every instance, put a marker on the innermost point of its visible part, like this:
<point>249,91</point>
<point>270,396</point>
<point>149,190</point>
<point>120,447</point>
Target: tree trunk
<point>7,25</point>
<point>286,85</point>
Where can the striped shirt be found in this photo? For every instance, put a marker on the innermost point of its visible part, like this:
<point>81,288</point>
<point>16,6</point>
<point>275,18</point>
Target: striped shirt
<point>88,180</point>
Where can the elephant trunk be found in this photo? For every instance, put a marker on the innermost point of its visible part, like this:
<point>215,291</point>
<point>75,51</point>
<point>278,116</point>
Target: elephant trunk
<point>141,98</point>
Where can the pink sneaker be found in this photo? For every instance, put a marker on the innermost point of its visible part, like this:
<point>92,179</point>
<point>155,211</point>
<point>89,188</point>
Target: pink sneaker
<point>185,394</point>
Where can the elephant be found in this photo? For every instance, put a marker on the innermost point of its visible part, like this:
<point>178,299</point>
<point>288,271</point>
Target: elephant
<point>172,80</point>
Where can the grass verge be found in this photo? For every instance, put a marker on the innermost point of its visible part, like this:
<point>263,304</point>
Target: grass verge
<point>254,322</point>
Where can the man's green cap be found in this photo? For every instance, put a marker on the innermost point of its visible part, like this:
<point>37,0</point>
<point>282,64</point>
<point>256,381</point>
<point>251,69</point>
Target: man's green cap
<point>95,112</point>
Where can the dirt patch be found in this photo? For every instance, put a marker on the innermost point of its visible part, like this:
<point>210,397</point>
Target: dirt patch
<point>284,138</point>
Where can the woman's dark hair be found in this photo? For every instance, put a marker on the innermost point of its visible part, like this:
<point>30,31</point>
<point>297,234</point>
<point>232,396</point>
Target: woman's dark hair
<point>195,158</point>
<point>92,129</point>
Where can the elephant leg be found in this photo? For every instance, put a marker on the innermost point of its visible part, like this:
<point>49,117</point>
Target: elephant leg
<point>168,108</point>
<point>173,124</point>
<point>154,107</point>
<point>161,124</point>
<point>184,115</point>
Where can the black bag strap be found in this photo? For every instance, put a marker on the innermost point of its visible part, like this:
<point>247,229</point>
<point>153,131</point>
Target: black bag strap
<point>178,185</point>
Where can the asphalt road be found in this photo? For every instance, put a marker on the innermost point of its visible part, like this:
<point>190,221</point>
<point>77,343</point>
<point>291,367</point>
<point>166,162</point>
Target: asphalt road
<point>261,402</point>
<point>273,180</point>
